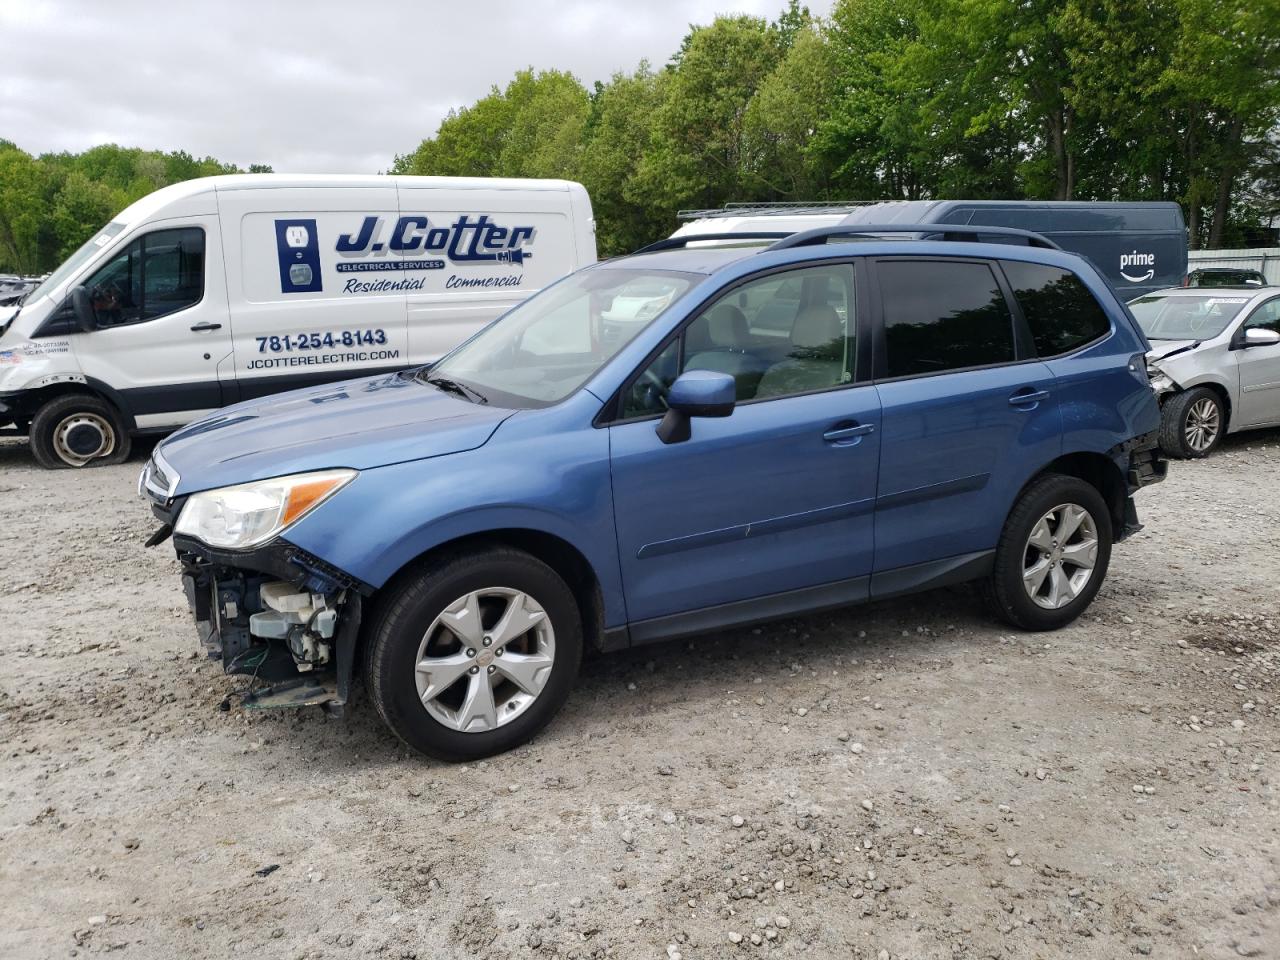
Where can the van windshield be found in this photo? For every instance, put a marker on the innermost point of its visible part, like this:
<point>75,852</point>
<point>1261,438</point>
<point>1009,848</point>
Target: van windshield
<point>73,262</point>
<point>1185,317</point>
<point>547,347</point>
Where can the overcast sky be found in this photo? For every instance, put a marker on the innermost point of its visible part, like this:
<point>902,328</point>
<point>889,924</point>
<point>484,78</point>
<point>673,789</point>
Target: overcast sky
<point>305,86</point>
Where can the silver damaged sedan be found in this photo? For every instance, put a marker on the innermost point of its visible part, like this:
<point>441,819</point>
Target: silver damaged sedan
<point>1214,362</point>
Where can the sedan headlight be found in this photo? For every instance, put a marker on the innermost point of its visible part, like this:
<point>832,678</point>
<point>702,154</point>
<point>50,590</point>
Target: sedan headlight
<point>252,513</point>
<point>1161,382</point>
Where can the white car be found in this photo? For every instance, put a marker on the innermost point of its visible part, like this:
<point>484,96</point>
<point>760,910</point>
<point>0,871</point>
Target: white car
<point>1214,362</point>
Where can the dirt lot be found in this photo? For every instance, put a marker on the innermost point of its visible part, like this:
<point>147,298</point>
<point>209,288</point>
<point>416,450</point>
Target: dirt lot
<point>905,780</point>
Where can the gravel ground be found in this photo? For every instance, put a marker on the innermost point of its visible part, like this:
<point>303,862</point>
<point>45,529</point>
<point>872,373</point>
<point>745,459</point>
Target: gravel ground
<point>904,780</point>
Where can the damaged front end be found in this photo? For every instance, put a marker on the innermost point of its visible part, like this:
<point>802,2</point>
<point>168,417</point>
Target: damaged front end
<point>278,616</point>
<point>272,611</point>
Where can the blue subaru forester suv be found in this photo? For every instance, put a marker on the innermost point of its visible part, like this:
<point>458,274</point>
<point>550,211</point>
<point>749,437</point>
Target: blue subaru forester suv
<point>679,441</point>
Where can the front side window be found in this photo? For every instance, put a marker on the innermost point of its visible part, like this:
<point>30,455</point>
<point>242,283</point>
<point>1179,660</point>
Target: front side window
<point>154,275</point>
<point>1061,312</point>
<point>1186,316</point>
<point>550,345</point>
<point>783,334</point>
<point>942,316</point>
<point>1266,317</point>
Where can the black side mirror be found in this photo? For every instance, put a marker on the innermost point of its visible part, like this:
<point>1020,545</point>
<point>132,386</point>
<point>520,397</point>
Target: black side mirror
<point>696,393</point>
<point>82,309</point>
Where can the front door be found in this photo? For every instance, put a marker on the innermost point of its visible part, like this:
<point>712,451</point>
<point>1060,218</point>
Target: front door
<point>162,334</point>
<point>1260,370</point>
<point>774,499</point>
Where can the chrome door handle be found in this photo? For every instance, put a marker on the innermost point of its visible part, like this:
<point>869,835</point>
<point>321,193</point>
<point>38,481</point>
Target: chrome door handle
<point>839,434</point>
<point>1020,399</point>
<point>201,327</point>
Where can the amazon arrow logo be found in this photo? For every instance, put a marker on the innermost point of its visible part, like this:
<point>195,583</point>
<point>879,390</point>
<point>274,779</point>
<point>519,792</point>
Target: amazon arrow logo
<point>1137,259</point>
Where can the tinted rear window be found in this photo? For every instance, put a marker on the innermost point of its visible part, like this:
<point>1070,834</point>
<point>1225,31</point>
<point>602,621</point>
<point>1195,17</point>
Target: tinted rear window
<point>942,316</point>
<point>1061,312</point>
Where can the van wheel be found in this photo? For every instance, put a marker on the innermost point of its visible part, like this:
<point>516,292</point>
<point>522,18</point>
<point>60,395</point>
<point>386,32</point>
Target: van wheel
<point>1192,424</point>
<point>474,653</point>
<point>1052,555</point>
<point>78,430</point>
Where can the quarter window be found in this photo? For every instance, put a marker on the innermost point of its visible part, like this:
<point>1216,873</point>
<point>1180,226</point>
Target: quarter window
<point>942,316</point>
<point>783,334</point>
<point>1061,312</point>
<point>155,275</point>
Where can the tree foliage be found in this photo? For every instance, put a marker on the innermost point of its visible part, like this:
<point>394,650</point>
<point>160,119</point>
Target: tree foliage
<point>51,204</point>
<point>881,100</point>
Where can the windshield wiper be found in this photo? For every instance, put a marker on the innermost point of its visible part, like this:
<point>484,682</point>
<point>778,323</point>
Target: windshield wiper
<point>461,389</point>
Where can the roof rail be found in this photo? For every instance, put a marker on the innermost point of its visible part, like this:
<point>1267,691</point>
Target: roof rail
<point>673,243</point>
<point>928,231</point>
<point>778,208</point>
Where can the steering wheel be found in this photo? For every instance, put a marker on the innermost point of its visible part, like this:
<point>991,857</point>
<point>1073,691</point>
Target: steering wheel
<point>659,388</point>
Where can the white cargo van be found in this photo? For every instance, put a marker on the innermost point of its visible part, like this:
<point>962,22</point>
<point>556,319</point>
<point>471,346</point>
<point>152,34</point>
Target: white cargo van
<point>229,288</point>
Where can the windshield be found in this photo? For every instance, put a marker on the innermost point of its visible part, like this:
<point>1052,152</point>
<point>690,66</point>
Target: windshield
<point>1183,317</point>
<point>550,345</point>
<point>73,262</point>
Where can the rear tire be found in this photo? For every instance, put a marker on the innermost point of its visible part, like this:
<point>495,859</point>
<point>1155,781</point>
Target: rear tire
<point>496,619</point>
<point>1043,580</point>
<point>1192,424</point>
<point>78,430</point>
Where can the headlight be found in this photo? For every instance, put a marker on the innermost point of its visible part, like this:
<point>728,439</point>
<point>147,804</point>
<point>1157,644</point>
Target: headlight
<point>1160,381</point>
<point>252,513</point>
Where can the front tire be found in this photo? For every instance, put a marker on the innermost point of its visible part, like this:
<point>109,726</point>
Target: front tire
<point>1192,424</point>
<point>474,653</point>
<point>78,430</point>
<point>1053,554</point>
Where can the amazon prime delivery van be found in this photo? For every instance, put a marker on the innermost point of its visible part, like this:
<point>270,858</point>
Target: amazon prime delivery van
<point>1138,246</point>
<point>229,288</point>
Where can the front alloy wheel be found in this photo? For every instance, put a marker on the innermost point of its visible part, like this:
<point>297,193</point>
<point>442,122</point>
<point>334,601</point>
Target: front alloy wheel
<point>1192,424</point>
<point>485,659</point>
<point>1202,426</point>
<point>472,653</point>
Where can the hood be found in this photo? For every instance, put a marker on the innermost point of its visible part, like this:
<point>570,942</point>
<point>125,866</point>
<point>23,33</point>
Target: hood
<point>360,424</point>
<point>1163,349</point>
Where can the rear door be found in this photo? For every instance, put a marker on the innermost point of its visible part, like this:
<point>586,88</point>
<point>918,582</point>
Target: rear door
<point>1260,369</point>
<point>967,416</point>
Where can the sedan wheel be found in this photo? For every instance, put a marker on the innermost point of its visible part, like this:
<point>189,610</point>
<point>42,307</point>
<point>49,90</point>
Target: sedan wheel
<point>1203,424</point>
<point>485,659</point>
<point>1060,556</point>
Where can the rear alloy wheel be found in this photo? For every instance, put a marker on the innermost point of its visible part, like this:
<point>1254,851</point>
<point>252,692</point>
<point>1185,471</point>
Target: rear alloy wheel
<point>1193,424</point>
<point>1052,555</point>
<point>78,430</point>
<point>474,653</point>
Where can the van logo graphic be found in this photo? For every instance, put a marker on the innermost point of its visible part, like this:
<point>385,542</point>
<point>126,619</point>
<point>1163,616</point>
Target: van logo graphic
<point>298,249</point>
<point>468,240</point>
<point>1137,259</point>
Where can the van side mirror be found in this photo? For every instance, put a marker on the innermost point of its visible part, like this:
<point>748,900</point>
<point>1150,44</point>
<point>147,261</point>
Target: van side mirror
<point>82,309</point>
<point>1260,337</point>
<point>696,393</point>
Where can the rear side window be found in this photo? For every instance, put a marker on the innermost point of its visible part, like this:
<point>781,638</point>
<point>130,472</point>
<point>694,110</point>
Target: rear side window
<point>1061,312</point>
<point>942,316</point>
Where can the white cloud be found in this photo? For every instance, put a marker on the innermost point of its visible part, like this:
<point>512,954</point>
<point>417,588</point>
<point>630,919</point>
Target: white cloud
<point>307,87</point>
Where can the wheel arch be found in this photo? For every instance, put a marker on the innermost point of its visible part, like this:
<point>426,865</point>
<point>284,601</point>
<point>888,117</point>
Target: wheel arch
<point>556,552</point>
<point>1100,472</point>
<point>1218,388</point>
<point>30,401</point>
